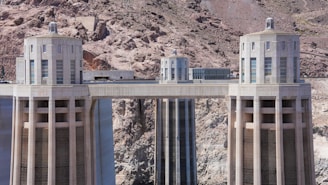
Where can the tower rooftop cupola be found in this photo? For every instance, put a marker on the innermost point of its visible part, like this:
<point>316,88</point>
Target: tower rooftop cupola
<point>53,28</point>
<point>269,23</point>
<point>270,56</point>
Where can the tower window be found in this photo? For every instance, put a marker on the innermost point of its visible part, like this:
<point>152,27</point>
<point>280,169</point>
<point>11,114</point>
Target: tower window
<point>242,69</point>
<point>253,70</point>
<point>283,70</point>
<point>253,45</point>
<point>44,68</point>
<point>267,45</point>
<point>295,45</point>
<point>172,74</point>
<point>267,66</point>
<point>32,71</point>
<point>72,49</point>
<point>179,73</point>
<point>165,75</point>
<point>59,72</point>
<point>295,69</point>
<point>243,46</point>
<point>59,49</point>
<point>44,48</point>
<point>73,71</point>
<point>31,48</point>
<point>283,45</point>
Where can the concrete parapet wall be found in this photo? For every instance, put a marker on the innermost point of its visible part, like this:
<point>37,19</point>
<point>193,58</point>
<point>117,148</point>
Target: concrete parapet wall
<point>108,75</point>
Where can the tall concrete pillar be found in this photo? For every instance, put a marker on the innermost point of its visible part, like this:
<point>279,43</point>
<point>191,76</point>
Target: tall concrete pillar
<point>310,134</point>
<point>279,143</point>
<point>17,127</point>
<point>167,142</point>
<point>188,148</point>
<point>52,142</point>
<point>88,144</point>
<point>299,142</point>
<point>177,143</point>
<point>31,143</point>
<point>257,142</point>
<point>12,141</point>
<point>158,143</point>
<point>239,142</point>
<point>72,141</point>
<point>230,128</point>
<point>193,155</point>
<point>104,152</point>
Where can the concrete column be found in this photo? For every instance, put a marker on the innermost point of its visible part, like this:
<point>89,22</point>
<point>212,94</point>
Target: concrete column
<point>279,143</point>
<point>167,142</point>
<point>88,143</point>
<point>158,144</point>
<point>17,128</point>
<point>193,131</point>
<point>257,142</point>
<point>72,142</point>
<point>230,127</point>
<point>177,143</point>
<point>310,135</point>
<point>239,142</point>
<point>188,173</point>
<point>299,143</point>
<point>31,143</point>
<point>12,140</point>
<point>51,142</point>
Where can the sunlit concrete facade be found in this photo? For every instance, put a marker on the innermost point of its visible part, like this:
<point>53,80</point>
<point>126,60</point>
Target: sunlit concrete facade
<point>270,125</point>
<point>175,159</point>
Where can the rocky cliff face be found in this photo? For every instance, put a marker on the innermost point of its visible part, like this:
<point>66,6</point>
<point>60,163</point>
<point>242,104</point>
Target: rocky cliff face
<point>135,34</point>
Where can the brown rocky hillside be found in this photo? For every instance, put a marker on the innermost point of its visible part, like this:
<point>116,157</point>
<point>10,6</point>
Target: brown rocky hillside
<point>135,34</point>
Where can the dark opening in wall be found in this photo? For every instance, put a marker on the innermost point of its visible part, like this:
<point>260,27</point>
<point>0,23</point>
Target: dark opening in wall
<point>268,118</point>
<point>287,118</point>
<point>101,78</point>
<point>43,118</point>
<point>249,103</point>
<point>268,103</point>
<point>287,103</point>
<point>61,103</point>
<point>79,103</point>
<point>43,103</point>
<point>61,117</point>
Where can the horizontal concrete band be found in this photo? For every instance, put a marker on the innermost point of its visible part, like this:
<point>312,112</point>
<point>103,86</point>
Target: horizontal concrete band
<point>159,90</point>
<point>270,126</point>
<point>145,90</point>
<point>57,125</point>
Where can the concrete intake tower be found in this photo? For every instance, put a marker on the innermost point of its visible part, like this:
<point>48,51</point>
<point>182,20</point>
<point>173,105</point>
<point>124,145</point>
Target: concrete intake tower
<point>270,123</point>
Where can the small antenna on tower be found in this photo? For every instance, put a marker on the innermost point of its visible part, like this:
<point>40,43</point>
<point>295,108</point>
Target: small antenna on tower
<point>53,27</point>
<point>175,52</point>
<point>269,23</point>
